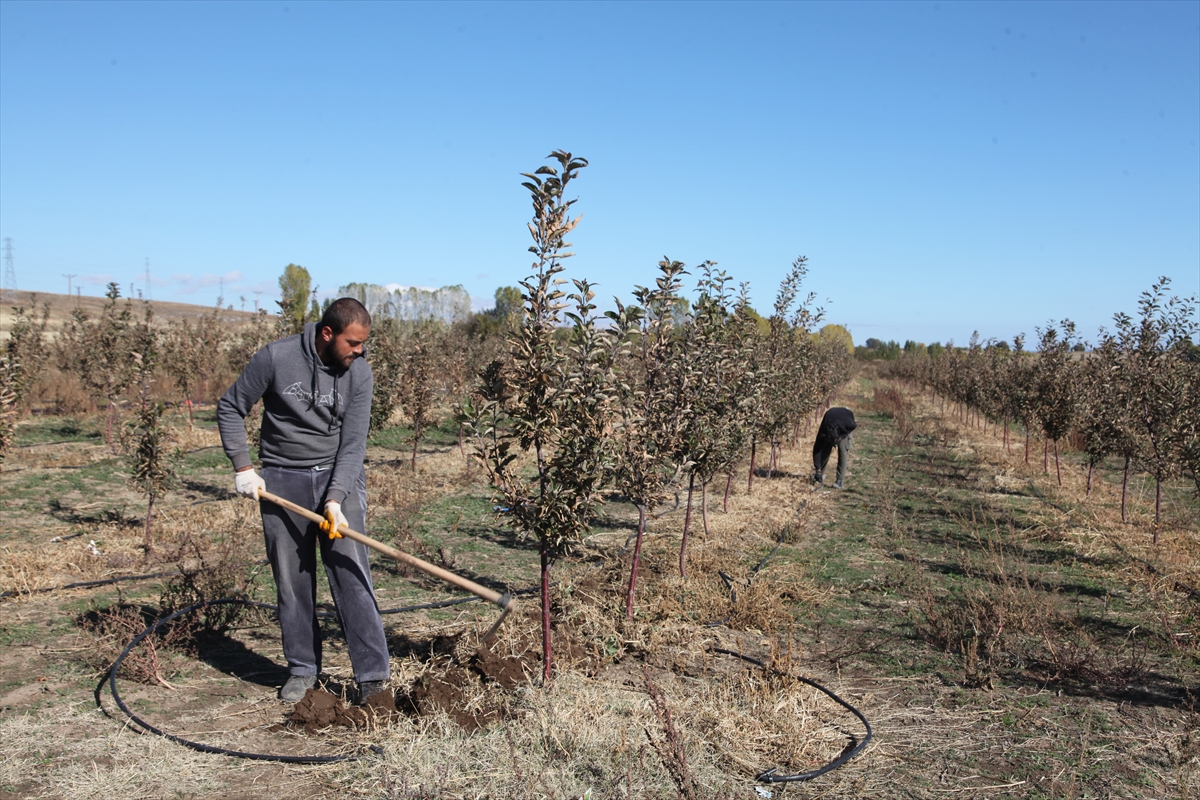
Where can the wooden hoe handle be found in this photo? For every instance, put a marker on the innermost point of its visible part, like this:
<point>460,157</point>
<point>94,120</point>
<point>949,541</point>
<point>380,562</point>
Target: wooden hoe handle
<point>505,601</point>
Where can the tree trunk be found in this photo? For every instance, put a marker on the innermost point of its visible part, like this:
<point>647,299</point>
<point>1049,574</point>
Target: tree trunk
<point>728,488</point>
<point>547,649</point>
<point>753,455</point>
<point>687,523</point>
<point>191,413</point>
<point>149,543</point>
<point>414,454</point>
<point>633,567</point>
<point>1125,492</point>
<point>462,450</point>
<point>1157,505</point>
<point>1091,469</point>
<point>1045,455</point>
<point>1007,449</point>
<point>771,462</point>
<point>1026,445</point>
<point>704,507</point>
<point>112,410</point>
<point>1057,466</point>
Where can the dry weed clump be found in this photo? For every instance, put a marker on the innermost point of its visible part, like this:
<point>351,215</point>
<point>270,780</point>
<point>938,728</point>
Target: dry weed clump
<point>219,572</point>
<point>108,631</point>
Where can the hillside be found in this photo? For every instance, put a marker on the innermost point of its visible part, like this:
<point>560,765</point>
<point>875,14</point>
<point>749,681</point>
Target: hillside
<point>61,306</point>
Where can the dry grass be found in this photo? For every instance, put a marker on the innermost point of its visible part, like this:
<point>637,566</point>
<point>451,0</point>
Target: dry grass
<point>1092,524</point>
<point>717,722</point>
<point>598,728</point>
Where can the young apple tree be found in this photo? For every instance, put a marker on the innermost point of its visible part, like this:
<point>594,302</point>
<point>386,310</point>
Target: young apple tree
<point>550,399</point>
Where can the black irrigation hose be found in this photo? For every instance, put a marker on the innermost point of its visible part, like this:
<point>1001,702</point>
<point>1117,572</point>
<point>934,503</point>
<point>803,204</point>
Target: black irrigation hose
<point>104,581</point>
<point>770,775</point>
<point>88,584</point>
<point>205,748</point>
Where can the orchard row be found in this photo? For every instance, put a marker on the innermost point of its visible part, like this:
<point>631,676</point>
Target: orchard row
<point>1134,396</point>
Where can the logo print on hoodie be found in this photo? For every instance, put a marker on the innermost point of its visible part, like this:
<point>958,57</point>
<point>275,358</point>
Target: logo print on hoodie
<point>297,390</point>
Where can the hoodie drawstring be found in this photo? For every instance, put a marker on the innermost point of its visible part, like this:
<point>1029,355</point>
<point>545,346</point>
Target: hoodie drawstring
<point>333,416</point>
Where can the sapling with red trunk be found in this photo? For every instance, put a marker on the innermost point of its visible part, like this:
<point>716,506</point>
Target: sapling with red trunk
<point>1055,385</point>
<point>783,364</point>
<point>550,398</point>
<point>649,419</point>
<point>1158,378</point>
<point>716,371</point>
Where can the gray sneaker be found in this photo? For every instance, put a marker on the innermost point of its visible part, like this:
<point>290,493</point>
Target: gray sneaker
<point>837,484</point>
<point>367,689</point>
<point>296,687</point>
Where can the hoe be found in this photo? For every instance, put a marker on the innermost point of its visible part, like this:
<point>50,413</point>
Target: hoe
<point>506,601</point>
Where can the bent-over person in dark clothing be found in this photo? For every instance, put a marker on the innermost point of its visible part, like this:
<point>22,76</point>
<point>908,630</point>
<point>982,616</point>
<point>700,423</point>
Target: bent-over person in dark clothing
<point>837,430</point>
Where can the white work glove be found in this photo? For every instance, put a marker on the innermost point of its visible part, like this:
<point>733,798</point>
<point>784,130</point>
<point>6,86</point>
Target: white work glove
<point>334,519</point>
<point>248,483</point>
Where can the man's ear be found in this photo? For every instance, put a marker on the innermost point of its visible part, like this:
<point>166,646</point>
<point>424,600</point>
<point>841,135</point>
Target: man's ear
<point>326,333</point>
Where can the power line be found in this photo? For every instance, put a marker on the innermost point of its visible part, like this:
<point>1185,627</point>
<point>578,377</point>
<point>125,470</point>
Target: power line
<point>10,272</point>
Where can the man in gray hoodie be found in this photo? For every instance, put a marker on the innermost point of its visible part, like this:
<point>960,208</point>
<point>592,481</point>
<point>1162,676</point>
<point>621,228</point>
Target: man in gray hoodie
<point>316,392</point>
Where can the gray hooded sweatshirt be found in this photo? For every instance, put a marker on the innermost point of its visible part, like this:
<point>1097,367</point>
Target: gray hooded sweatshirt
<point>312,414</point>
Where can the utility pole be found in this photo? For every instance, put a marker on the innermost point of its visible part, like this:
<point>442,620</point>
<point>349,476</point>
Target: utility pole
<point>10,273</point>
<point>221,296</point>
<point>68,277</point>
<point>257,292</point>
<point>149,296</point>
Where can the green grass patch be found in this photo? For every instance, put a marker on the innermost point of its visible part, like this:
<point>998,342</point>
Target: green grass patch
<point>44,430</point>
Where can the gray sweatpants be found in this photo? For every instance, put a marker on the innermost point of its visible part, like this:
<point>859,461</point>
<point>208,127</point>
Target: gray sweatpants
<point>821,451</point>
<point>292,542</point>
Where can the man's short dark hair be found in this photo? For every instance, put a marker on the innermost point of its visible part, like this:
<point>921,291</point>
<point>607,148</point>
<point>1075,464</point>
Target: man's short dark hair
<point>342,313</point>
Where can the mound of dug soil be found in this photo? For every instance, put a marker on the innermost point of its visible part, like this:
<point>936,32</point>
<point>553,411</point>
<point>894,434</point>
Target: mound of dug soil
<point>506,671</point>
<point>454,688</point>
<point>319,709</point>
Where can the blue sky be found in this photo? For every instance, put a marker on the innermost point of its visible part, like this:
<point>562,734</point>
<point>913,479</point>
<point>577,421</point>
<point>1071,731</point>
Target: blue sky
<point>945,166</point>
